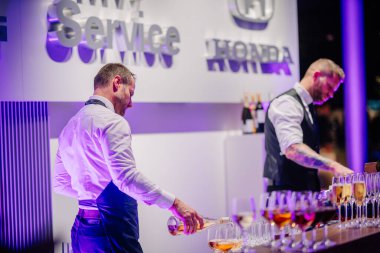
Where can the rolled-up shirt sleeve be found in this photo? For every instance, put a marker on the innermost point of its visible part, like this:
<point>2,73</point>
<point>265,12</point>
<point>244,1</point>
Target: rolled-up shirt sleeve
<point>286,115</point>
<point>116,145</point>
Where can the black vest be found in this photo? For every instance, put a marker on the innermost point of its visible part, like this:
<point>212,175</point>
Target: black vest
<point>286,174</point>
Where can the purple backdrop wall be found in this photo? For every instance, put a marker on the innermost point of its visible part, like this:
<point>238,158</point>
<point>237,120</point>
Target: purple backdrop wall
<point>26,216</point>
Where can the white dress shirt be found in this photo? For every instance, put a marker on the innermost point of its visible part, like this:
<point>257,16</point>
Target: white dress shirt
<point>95,148</point>
<point>286,115</point>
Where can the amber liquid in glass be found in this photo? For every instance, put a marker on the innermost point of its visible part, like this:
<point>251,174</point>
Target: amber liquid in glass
<point>359,192</point>
<point>224,245</point>
<point>347,193</point>
<point>213,244</point>
<point>337,194</point>
<point>281,218</point>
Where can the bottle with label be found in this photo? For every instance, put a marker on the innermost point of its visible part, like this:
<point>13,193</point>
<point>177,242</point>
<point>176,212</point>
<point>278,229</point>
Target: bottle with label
<point>252,107</point>
<point>176,226</point>
<point>260,115</point>
<point>248,124</point>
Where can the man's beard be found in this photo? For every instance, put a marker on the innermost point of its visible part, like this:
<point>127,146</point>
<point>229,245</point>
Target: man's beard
<point>120,109</point>
<point>317,97</point>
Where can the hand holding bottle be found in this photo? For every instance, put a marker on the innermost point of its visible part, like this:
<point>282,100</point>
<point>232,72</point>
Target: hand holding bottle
<point>190,218</point>
<point>176,227</point>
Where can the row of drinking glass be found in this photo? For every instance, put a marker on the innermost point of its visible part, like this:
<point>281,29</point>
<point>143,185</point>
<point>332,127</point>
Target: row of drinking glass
<point>229,237</point>
<point>303,210</point>
<point>361,191</point>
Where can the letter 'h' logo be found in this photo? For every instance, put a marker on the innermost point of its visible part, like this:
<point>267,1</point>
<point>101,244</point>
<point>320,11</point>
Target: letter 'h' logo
<point>3,28</point>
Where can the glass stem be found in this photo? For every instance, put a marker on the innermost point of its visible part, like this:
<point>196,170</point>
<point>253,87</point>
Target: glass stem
<point>340,216</point>
<point>373,211</point>
<point>313,236</point>
<point>356,216</point>
<point>345,212</point>
<point>325,233</point>
<point>304,239</point>
<point>273,232</point>
<point>245,238</point>
<point>293,233</point>
<point>282,235</point>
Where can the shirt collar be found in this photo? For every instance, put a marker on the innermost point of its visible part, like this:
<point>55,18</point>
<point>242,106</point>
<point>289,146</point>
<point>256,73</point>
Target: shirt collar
<point>108,103</point>
<point>303,93</point>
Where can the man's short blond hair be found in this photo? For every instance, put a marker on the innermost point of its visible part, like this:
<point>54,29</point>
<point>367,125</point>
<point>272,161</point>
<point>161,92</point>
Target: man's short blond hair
<point>109,71</point>
<point>326,66</point>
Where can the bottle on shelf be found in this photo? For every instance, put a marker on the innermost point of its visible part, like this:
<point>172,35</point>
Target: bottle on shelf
<point>176,226</point>
<point>260,115</point>
<point>252,107</point>
<point>248,124</point>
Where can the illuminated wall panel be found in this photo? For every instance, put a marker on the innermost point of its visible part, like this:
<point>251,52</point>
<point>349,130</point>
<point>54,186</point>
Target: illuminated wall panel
<point>26,216</point>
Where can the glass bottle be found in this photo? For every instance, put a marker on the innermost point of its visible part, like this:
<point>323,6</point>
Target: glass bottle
<point>260,115</point>
<point>176,226</point>
<point>247,118</point>
<point>252,107</point>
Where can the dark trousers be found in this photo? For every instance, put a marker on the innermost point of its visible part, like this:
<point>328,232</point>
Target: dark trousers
<point>115,230</point>
<point>88,235</point>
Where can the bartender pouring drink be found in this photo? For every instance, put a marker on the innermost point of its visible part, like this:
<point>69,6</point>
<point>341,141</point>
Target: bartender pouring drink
<point>95,165</point>
<point>291,131</point>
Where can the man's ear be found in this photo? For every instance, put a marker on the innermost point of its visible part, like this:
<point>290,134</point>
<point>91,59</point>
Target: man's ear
<point>116,83</point>
<point>316,74</point>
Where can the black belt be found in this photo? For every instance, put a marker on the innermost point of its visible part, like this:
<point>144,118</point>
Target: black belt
<point>89,214</point>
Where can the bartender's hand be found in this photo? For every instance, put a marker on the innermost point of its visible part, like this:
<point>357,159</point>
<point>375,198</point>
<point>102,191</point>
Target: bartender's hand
<point>188,215</point>
<point>305,156</point>
<point>340,170</point>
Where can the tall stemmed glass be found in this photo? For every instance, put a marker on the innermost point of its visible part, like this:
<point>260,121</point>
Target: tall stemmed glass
<point>337,195</point>
<point>303,216</point>
<point>359,195</point>
<point>369,200</point>
<point>264,203</point>
<point>323,215</point>
<point>347,195</point>
<point>280,213</point>
<point>243,214</point>
<point>377,196</point>
<point>292,206</point>
<point>223,238</point>
<point>352,222</point>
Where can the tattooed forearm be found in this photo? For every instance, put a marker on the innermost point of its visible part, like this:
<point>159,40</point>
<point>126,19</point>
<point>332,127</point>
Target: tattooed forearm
<point>305,156</point>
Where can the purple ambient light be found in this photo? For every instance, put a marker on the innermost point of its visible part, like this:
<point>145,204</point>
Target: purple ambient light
<point>354,88</point>
<point>25,191</point>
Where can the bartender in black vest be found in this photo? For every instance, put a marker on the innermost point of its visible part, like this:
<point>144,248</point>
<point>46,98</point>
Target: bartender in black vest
<point>291,131</point>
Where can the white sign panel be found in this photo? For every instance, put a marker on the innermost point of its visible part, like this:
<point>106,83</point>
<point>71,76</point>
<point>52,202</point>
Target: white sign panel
<point>181,51</point>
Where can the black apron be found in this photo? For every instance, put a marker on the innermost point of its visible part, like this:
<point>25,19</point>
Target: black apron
<point>118,212</point>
